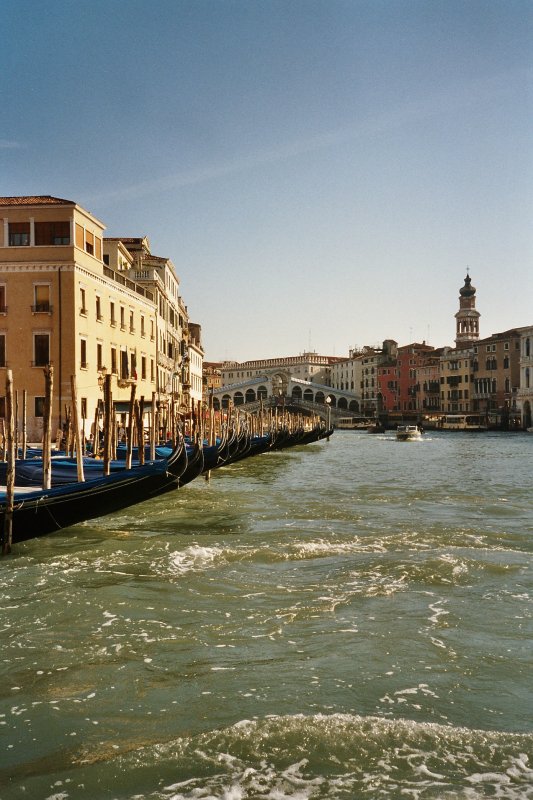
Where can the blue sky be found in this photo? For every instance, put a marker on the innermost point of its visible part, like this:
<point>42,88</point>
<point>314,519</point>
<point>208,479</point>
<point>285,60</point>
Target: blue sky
<point>321,173</point>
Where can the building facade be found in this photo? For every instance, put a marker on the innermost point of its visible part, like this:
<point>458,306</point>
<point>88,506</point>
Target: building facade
<point>69,298</point>
<point>496,378</point>
<point>525,389</point>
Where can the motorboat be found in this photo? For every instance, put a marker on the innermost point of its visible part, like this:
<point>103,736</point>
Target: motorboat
<point>408,433</point>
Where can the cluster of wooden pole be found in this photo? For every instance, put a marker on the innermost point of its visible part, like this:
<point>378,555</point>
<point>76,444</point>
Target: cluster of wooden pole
<point>203,424</point>
<point>164,425</point>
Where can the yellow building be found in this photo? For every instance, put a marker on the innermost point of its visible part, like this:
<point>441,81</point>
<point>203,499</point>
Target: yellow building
<point>61,305</point>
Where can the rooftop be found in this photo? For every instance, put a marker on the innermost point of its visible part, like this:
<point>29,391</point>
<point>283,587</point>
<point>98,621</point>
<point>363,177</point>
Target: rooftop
<point>35,200</point>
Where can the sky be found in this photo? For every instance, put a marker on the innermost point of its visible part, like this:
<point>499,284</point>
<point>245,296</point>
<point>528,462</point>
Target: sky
<point>322,173</point>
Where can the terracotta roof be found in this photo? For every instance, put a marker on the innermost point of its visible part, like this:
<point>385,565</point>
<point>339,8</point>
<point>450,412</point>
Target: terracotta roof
<point>35,200</point>
<point>125,239</point>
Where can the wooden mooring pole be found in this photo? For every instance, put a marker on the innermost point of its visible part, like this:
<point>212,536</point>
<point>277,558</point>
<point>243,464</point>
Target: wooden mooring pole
<point>108,421</point>
<point>7,533</point>
<point>47,426</point>
<point>77,432</point>
<point>24,423</point>
<point>131,421</point>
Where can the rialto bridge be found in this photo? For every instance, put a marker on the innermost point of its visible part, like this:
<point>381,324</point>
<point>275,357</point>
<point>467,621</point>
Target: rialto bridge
<point>281,385</point>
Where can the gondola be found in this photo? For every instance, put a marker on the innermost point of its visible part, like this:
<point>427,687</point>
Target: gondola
<point>41,511</point>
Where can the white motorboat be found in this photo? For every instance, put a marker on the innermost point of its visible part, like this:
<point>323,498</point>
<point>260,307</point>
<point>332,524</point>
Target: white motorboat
<point>408,433</point>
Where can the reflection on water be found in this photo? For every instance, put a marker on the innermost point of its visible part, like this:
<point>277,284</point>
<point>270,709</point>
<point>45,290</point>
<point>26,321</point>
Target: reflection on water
<point>351,619</point>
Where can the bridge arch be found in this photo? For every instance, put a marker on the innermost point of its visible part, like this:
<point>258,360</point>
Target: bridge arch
<point>262,392</point>
<point>354,405</point>
<point>226,399</point>
<point>249,396</point>
<point>297,392</point>
<point>238,399</point>
<point>308,395</point>
<point>343,403</point>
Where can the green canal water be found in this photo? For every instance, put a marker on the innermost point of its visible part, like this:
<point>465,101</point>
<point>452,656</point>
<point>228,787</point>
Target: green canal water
<point>350,619</point>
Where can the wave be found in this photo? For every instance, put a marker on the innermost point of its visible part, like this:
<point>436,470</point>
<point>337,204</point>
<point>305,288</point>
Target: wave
<point>329,757</point>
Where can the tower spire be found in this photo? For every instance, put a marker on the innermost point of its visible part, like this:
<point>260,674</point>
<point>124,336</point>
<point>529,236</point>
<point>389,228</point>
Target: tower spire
<point>467,318</point>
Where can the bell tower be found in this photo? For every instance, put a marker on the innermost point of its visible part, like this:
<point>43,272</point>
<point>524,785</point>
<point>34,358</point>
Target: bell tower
<point>467,318</point>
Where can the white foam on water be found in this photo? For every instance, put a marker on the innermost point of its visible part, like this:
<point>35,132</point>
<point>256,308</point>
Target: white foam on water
<point>323,757</point>
<point>196,558</point>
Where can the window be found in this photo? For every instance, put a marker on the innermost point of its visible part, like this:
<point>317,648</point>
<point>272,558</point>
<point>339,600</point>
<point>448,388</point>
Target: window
<point>133,366</point>
<point>19,234</point>
<point>99,355</point>
<point>114,361</point>
<point>99,316</point>
<point>83,306</point>
<point>84,408</point>
<point>39,406</point>
<point>112,314</point>
<point>132,325</point>
<point>124,368</point>
<point>143,368</point>
<point>152,337</point>
<point>42,298</point>
<point>152,371</point>
<point>41,349</point>
<point>89,242</point>
<point>3,307</point>
<point>47,233</point>
<point>83,353</point>
<point>143,332</point>
<point>122,318</point>
<point>2,350</point>
<point>2,406</point>
<point>80,236</point>
<point>106,259</point>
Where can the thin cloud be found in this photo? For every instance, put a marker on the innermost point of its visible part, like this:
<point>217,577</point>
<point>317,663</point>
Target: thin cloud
<point>8,144</point>
<point>445,101</point>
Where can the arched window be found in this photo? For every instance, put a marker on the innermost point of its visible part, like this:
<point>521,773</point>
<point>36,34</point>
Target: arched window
<point>527,378</point>
<point>238,398</point>
<point>262,393</point>
<point>343,403</point>
<point>320,397</point>
<point>354,405</point>
<point>528,347</point>
<point>308,395</point>
<point>297,392</point>
<point>225,400</point>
